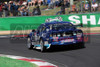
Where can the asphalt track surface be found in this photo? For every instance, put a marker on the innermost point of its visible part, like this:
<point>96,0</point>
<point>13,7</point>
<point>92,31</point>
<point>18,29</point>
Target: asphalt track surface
<point>69,57</point>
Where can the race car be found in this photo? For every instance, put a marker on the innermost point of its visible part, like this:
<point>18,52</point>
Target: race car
<point>54,32</point>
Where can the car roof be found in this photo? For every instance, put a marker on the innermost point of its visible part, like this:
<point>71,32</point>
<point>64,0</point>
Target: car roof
<point>54,22</point>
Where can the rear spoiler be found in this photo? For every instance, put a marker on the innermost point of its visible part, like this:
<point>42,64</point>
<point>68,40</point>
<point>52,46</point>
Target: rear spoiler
<point>78,25</point>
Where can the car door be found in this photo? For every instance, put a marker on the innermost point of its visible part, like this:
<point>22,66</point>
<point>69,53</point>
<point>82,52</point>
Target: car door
<point>38,34</point>
<point>43,31</point>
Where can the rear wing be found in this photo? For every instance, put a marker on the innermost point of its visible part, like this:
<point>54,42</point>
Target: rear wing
<point>78,25</point>
<point>55,19</point>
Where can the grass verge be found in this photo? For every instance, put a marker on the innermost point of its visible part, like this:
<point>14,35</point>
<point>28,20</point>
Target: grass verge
<point>8,62</point>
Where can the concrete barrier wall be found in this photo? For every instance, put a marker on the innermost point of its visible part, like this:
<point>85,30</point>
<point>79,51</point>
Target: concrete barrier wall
<point>27,23</point>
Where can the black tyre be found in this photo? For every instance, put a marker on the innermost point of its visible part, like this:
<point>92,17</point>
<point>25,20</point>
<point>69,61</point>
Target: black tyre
<point>29,43</point>
<point>81,45</point>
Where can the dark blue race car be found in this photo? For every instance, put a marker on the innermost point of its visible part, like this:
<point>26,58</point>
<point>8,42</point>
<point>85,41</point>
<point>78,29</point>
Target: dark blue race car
<point>54,32</point>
